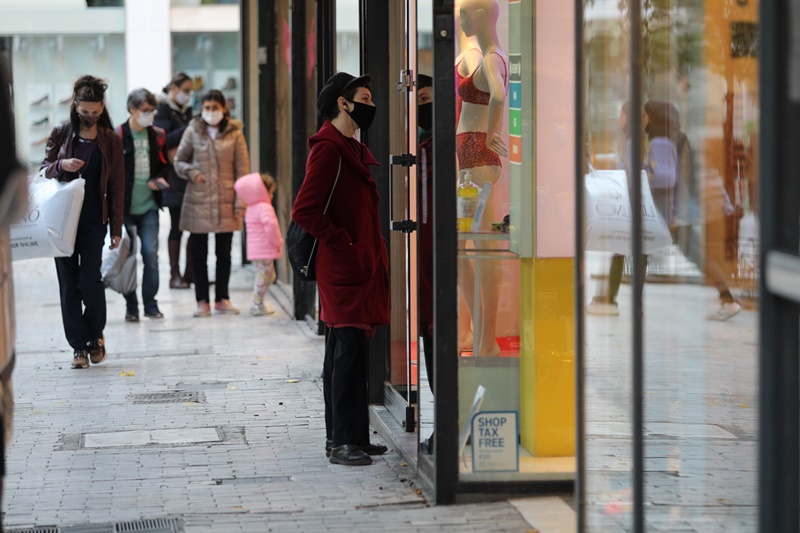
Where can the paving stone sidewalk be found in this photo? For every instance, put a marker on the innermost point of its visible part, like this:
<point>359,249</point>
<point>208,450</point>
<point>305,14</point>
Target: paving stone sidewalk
<point>250,395</point>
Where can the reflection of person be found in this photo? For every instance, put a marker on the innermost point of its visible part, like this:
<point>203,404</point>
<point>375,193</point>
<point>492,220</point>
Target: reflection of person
<point>264,239</point>
<point>479,149</point>
<point>606,304</point>
<point>425,218</point>
<point>675,188</point>
<point>211,156</point>
<point>145,170</point>
<point>352,263</point>
<point>173,115</point>
<point>87,147</point>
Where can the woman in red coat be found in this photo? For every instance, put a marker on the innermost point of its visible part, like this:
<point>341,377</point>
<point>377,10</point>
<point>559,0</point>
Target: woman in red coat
<point>352,263</point>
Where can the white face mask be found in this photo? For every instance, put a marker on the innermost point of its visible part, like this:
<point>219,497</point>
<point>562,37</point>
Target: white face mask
<point>182,98</point>
<point>145,119</point>
<point>212,118</point>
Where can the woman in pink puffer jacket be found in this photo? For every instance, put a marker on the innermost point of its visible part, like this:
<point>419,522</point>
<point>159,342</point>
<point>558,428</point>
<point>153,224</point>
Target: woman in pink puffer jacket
<point>264,239</point>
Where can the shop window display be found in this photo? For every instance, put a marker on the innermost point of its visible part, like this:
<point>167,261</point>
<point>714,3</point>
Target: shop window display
<point>44,71</point>
<point>516,322</point>
<point>212,60</point>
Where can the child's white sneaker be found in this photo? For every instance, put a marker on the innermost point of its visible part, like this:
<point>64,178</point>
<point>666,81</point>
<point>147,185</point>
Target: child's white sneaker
<point>261,310</point>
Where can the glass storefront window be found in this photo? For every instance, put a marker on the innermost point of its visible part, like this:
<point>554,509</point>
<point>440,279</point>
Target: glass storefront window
<point>212,60</point>
<point>202,2</point>
<point>515,263</point>
<point>700,270</point>
<point>348,47</point>
<point>44,69</point>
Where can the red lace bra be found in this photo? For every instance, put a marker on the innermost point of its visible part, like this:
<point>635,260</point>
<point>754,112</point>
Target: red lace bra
<point>467,91</point>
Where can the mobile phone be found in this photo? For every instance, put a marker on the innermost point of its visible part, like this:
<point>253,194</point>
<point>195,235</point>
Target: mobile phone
<point>162,185</point>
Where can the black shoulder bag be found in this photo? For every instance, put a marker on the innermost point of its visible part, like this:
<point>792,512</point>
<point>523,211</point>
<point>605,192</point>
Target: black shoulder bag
<point>301,247</point>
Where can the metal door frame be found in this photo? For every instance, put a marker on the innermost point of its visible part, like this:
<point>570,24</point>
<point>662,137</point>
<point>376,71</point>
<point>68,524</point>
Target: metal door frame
<point>779,411</point>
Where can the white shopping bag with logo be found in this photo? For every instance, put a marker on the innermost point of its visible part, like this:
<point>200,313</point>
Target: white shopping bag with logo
<point>608,215</point>
<point>50,224</point>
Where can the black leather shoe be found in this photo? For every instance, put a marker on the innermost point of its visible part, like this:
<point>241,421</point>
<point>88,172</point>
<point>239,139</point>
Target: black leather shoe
<point>374,449</point>
<point>349,455</point>
<point>369,449</point>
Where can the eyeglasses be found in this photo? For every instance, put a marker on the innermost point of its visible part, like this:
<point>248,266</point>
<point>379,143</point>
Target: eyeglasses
<point>151,110</point>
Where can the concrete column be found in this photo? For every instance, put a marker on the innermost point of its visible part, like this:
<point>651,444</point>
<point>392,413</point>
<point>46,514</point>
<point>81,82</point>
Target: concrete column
<point>148,44</point>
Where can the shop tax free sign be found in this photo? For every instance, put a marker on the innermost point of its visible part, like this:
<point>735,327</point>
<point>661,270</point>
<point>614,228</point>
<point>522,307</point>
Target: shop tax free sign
<point>494,441</point>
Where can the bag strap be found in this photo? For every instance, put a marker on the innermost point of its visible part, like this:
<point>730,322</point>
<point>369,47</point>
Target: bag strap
<point>338,171</point>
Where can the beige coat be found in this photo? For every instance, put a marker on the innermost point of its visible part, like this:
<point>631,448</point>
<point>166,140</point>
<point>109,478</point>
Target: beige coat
<point>212,207</point>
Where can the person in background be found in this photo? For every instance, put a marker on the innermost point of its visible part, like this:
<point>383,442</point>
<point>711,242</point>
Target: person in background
<point>264,239</point>
<point>352,262</point>
<point>145,173</point>
<point>87,147</point>
<point>211,156</point>
<point>173,115</point>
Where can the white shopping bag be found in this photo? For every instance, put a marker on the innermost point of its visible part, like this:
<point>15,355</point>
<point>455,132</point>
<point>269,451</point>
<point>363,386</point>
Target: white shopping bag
<point>114,259</point>
<point>119,265</point>
<point>49,225</point>
<point>608,215</point>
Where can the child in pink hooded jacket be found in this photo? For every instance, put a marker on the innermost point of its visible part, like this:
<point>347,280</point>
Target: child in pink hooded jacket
<point>264,239</point>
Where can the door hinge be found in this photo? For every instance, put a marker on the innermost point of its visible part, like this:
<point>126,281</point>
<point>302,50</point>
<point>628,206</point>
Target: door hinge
<point>403,160</point>
<point>406,82</point>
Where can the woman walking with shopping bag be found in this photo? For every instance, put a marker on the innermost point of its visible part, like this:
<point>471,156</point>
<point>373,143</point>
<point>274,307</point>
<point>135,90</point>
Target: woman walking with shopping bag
<point>87,147</point>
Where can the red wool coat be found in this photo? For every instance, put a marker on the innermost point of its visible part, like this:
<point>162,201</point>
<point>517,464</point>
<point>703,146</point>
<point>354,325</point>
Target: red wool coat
<point>352,263</point>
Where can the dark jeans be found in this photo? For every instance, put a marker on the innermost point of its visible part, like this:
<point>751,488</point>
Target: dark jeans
<point>83,296</point>
<point>344,385</point>
<point>222,246</point>
<point>146,227</point>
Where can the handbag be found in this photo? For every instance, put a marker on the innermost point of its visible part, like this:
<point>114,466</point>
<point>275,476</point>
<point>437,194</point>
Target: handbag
<point>301,247</point>
<point>49,226</point>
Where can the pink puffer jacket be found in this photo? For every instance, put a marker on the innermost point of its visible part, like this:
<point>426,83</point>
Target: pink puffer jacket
<point>264,239</point>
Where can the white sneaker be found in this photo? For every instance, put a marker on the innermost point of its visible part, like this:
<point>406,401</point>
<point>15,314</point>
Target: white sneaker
<point>225,307</point>
<point>602,309</point>
<point>725,311</point>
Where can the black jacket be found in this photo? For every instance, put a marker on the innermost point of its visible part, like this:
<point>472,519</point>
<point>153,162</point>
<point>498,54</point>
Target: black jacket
<point>158,160</point>
<point>173,121</point>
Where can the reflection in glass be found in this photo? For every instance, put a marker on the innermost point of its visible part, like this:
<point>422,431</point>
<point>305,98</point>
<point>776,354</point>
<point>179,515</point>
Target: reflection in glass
<point>699,153</point>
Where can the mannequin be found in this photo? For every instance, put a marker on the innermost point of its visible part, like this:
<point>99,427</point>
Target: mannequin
<point>468,59</point>
<point>480,147</point>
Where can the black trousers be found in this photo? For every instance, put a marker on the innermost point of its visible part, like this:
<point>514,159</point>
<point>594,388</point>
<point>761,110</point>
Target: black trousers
<point>344,384</point>
<point>222,248</point>
<point>83,296</point>
<point>175,232</point>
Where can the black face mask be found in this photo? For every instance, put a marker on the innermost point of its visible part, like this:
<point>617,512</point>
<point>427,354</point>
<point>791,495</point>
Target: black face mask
<point>87,121</point>
<point>425,116</point>
<point>363,115</point>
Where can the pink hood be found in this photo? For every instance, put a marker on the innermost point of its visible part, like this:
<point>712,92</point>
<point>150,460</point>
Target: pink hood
<point>251,189</point>
<point>264,238</point>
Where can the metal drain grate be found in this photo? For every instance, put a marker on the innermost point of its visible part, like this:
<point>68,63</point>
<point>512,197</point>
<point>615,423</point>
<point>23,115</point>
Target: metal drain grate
<point>150,525</point>
<point>46,529</point>
<point>169,397</point>
<point>157,525</point>
<point>251,480</point>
